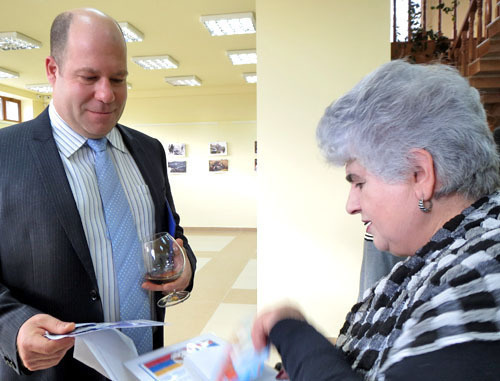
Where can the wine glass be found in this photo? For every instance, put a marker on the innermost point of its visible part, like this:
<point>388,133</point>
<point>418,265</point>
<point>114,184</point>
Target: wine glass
<point>164,260</point>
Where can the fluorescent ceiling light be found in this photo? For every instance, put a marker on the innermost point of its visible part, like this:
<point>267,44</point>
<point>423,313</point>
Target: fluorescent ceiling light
<point>250,77</point>
<point>131,33</point>
<point>190,80</point>
<point>40,88</point>
<point>242,57</point>
<point>16,41</point>
<point>228,24</point>
<point>4,73</point>
<point>156,62</point>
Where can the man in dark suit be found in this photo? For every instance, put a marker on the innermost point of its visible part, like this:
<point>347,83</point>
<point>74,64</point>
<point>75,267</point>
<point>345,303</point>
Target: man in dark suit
<point>54,248</point>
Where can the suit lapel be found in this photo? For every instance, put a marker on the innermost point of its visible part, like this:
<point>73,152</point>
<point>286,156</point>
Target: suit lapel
<point>58,192</point>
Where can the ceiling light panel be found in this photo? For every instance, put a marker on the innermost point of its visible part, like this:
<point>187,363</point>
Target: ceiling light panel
<point>17,41</point>
<point>130,33</point>
<point>250,77</point>
<point>156,62</point>
<point>190,80</point>
<point>229,24</point>
<point>4,73</point>
<point>40,88</point>
<point>242,57</point>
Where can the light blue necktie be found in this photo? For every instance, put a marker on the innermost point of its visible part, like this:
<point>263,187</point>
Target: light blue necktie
<point>127,255</point>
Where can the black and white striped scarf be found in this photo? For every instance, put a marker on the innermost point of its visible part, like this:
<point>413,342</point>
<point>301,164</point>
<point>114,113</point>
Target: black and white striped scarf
<point>447,293</point>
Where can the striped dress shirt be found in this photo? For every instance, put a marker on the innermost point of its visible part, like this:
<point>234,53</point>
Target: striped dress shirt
<point>78,160</point>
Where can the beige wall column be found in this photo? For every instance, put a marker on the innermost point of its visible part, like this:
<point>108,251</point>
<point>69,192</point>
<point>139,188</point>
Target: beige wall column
<point>310,52</point>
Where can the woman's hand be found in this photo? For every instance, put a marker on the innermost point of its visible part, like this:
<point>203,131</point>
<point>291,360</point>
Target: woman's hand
<point>265,322</point>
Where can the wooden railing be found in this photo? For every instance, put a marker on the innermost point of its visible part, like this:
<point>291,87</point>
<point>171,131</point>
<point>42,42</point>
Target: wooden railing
<point>463,50</point>
<point>473,31</point>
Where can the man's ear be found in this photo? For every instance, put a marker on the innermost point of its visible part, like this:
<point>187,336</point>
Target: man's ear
<point>424,176</point>
<point>51,69</point>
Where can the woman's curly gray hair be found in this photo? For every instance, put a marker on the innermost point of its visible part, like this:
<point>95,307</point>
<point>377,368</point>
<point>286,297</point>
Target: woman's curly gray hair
<point>400,107</point>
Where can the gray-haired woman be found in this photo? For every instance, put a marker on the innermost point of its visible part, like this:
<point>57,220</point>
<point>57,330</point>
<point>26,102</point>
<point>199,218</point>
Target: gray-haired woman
<point>424,174</point>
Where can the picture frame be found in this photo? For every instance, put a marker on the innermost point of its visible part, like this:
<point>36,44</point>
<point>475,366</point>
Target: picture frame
<point>218,148</point>
<point>177,166</point>
<point>176,149</point>
<point>218,165</point>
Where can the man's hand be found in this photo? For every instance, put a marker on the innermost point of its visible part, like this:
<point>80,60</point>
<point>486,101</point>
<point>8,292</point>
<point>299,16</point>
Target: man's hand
<point>36,351</point>
<point>179,284</point>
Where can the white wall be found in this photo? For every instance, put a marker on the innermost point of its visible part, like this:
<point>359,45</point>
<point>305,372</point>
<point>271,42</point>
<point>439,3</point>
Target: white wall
<point>310,52</point>
<point>213,199</point>
<point>196,117</point>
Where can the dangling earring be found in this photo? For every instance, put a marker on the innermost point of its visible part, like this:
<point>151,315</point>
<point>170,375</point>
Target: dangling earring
<point>422,207</point>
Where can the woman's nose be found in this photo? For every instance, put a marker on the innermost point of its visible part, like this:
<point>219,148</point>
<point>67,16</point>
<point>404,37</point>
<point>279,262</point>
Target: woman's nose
<point>352,205</point>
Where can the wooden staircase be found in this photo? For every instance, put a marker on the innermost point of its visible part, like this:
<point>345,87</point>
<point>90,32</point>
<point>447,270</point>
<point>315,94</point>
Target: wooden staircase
<point>475,51</point>
<point>484,72</point>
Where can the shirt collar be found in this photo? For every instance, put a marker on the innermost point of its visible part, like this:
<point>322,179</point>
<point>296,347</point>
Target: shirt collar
<point>116,140</point>
<point>69,141</point>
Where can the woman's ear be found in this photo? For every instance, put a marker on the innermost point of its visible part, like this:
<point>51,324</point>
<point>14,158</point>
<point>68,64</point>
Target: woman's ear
<point>424,177</point>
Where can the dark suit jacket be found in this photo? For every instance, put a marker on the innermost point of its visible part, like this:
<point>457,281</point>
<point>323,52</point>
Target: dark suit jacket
<point>45,264</point>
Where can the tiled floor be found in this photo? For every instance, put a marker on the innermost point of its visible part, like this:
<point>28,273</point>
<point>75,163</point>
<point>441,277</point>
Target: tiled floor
<point>225,289</point>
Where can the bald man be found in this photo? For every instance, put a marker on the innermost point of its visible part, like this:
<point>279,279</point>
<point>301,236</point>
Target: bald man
<point>56,264</point>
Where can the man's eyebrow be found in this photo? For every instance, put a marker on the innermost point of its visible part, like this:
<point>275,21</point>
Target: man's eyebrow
<point>121,73</point>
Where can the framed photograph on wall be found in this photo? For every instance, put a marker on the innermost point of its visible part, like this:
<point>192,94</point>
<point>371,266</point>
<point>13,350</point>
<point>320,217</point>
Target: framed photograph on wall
<point>176,149</point>
<point>177,166</point>
<point>218,165</point>
<point>218,148</point>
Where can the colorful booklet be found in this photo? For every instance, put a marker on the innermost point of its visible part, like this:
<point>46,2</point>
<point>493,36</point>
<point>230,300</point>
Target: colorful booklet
<point>207,357</point>
<point>203,358</point>
<point>196,359</point>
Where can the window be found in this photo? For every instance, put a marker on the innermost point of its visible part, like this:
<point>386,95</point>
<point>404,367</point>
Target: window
<point>10,109</point>
<point>404,9</point>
